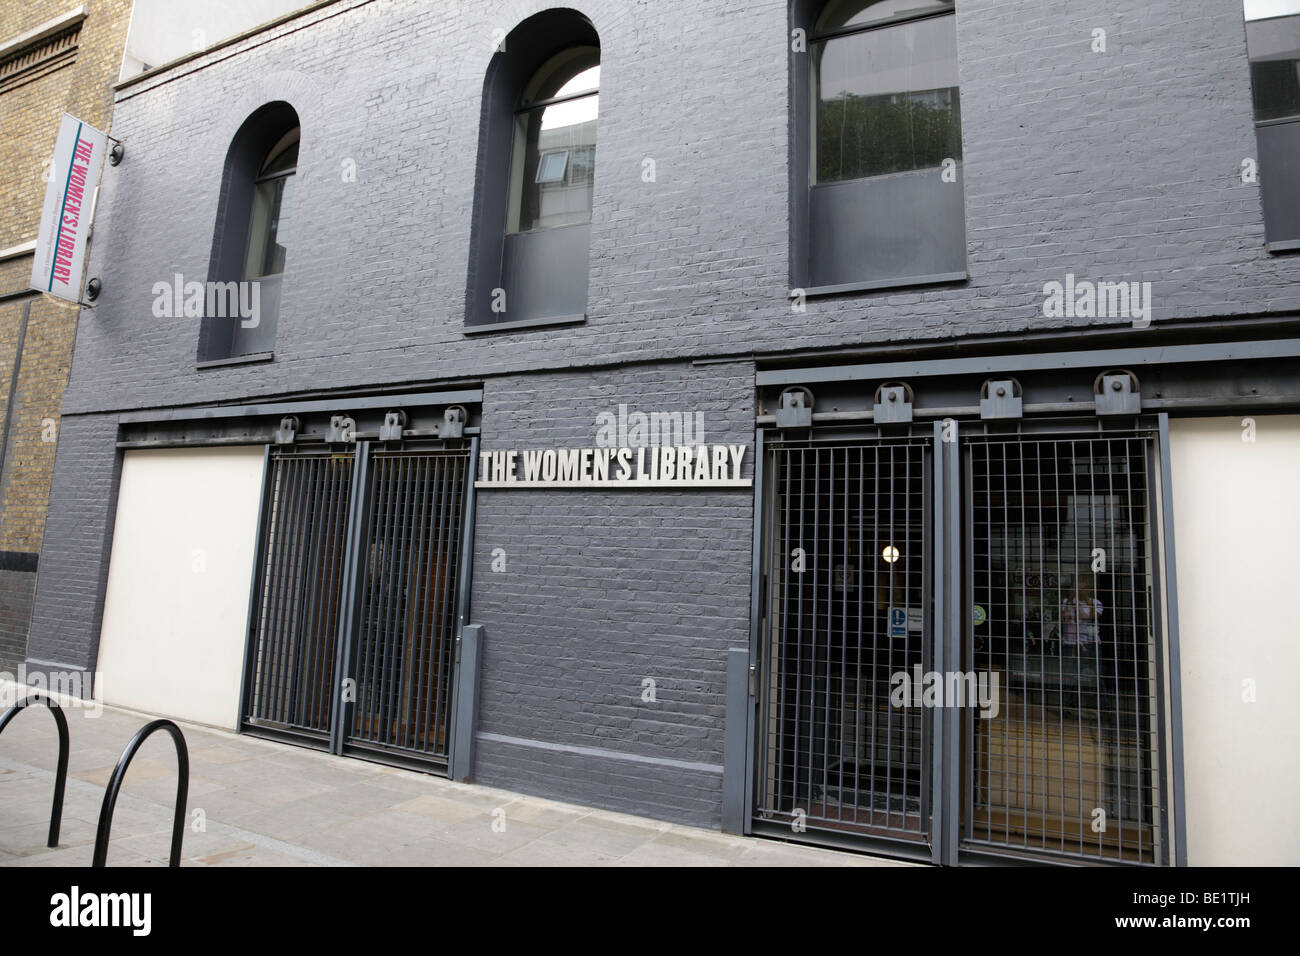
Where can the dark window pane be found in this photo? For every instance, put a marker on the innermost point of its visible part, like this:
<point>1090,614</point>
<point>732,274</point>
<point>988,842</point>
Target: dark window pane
<point>1274,48</point>
<point>894,227</point>
<point>544,272</point>
<point>1279,175</point>
<point>283,156</point>
<point>265,256</point>
<point>887,101</point>
<point>270,209</point>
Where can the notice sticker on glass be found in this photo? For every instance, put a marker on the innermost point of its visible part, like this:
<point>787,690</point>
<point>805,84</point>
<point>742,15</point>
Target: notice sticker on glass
<point>898,622</point>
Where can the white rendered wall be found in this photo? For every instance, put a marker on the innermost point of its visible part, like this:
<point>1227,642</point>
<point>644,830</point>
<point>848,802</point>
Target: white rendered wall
<point>1237,534</point>
<point>175,613</point>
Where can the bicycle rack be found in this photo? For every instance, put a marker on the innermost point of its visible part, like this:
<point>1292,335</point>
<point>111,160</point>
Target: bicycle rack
<point>115,784</point>
<point>61,774</point>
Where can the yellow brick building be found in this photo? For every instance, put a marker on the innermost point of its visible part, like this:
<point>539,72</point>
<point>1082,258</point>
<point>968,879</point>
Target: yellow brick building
<point>56,56</point>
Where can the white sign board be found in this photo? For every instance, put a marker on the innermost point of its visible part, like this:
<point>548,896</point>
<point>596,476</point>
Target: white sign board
<point>65,217</point>
<point>699,466</point>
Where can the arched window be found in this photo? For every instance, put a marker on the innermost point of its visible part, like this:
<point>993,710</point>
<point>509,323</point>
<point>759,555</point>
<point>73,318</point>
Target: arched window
<point>878,199</point>
<point>555,143</point>
<point>270,190</point>
<point>537,170</point>
<point>248,254</point>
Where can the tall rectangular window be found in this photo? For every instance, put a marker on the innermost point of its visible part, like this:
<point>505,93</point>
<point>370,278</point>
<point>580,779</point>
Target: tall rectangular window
<point>885,106</point>
<point>1273,45</point>
<point>885,203</point>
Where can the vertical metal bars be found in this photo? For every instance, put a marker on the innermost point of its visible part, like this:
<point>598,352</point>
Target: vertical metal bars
<point>846,615</point>
<point>406,631</point>
<point>1059,552</point>
<point>1022,568</point>
<point>297,600</point>
<point>360,570</point>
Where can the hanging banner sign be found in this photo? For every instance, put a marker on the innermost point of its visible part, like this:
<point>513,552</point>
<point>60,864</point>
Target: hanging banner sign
<point>697,466</point>
<point>65,217</point>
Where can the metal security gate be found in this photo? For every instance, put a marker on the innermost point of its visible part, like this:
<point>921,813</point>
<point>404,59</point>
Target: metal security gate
<point>1061,569</point>
<point>848,574</point>
<point>304,546</point>
<point>401,661</point>
<point>359,592</point>
<point>957,649</point>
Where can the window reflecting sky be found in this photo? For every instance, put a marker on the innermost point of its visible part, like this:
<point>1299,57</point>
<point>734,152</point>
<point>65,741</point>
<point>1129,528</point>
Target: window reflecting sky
<point>1259,9</point>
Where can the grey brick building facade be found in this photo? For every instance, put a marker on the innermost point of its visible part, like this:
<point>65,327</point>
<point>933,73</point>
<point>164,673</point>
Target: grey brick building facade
<point>1122,165</point>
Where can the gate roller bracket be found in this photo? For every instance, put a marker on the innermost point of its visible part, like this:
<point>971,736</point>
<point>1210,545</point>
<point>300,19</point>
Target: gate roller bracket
<point>342,430</point>
<point>288,430</point>
<point>796,409</point>
<point>1001,398</point>
<point>393,426</point>
<point>453,422</point>
<point>1117,392</point>
<point>893,404</point>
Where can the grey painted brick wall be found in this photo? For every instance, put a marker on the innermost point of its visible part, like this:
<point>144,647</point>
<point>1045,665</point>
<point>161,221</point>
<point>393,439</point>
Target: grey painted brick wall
<point>17,589</point>
<point>602,591</point>
<point>1116,165</point>
<point>75,552</point>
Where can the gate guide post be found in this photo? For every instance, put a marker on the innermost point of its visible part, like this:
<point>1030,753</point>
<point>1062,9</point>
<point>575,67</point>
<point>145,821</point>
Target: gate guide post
<point>469,640</point>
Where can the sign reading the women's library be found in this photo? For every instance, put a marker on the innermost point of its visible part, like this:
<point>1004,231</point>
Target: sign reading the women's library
<point>633,449</point>
<point>65,217</point>
<point>668,466</point>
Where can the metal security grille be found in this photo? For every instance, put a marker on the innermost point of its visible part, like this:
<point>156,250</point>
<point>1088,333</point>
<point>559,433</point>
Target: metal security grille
<point>847,581</point>
<point>406,631</point>
<point>1060,569</point>
<point>297,604</point>
<point>359,576</point>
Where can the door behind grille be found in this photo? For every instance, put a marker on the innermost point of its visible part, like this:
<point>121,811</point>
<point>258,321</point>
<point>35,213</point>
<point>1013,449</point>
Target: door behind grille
<point>359,579</point>
<point>1060,569</point>
<point>407,624</point>
<point>847,609</point>
<point>296,614</point>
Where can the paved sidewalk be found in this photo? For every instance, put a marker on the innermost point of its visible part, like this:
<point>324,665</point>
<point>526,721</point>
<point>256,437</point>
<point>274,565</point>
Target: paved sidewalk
<point>270,804</point>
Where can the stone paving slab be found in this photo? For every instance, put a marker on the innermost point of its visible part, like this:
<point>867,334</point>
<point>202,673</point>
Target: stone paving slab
<point>264,803</point>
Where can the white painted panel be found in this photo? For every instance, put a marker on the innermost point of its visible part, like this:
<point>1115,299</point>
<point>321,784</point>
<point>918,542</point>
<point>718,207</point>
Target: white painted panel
<point>172,641</point>
<point>1237,533</point>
